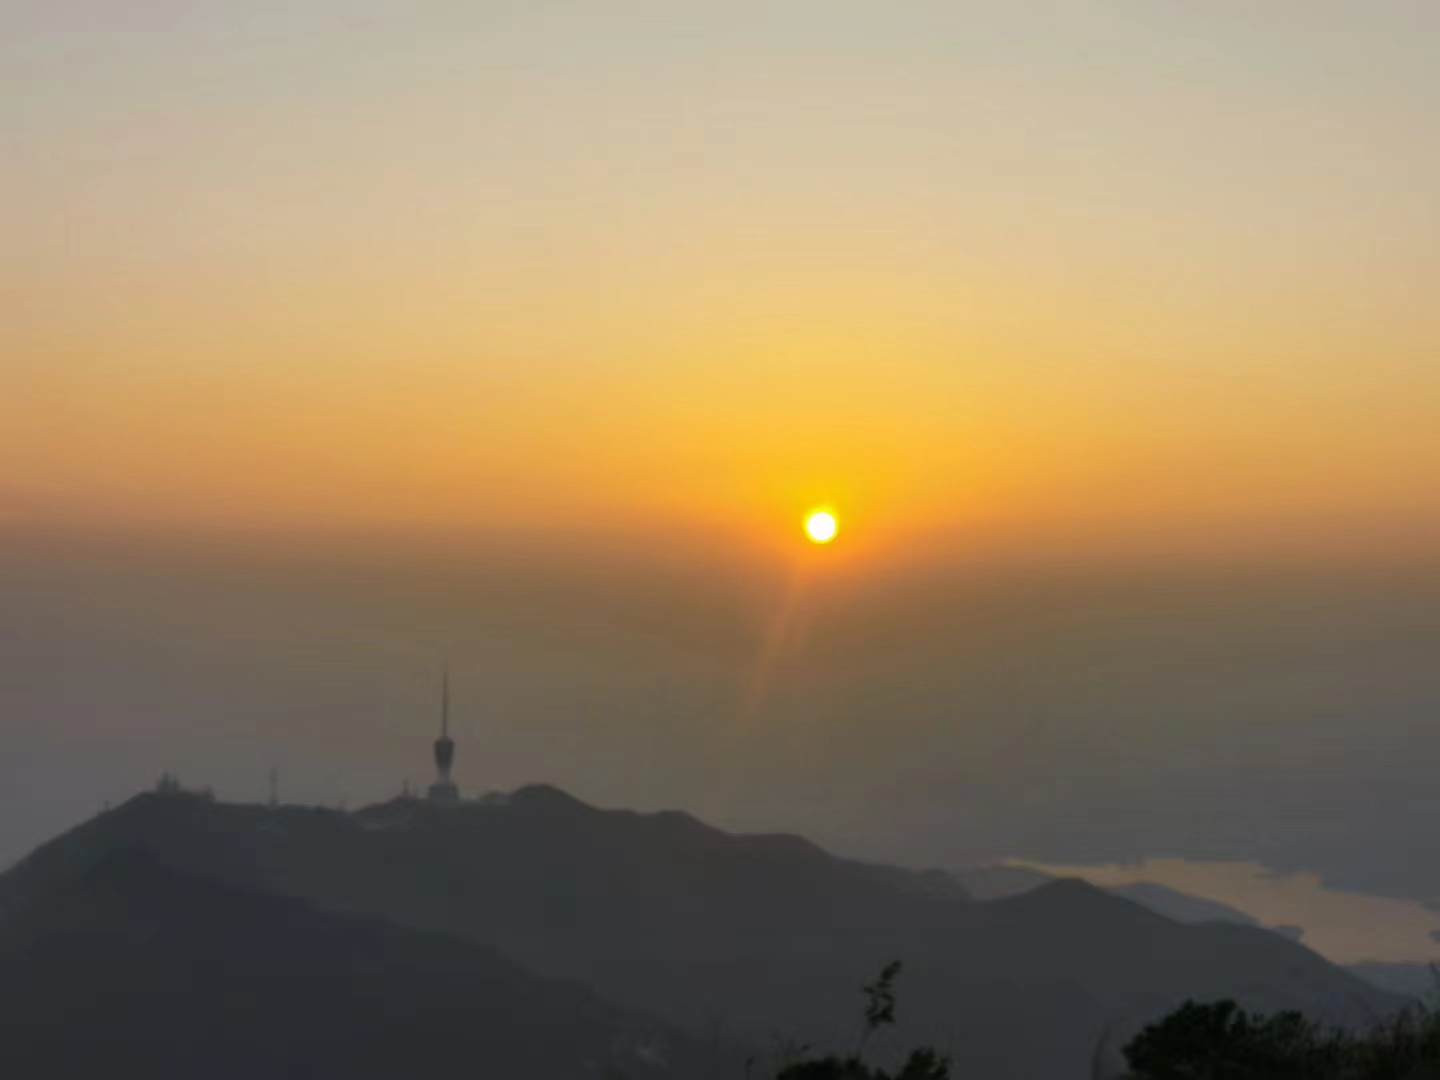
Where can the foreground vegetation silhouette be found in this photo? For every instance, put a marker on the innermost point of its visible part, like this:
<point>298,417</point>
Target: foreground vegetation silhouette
<point>880,1011</point>
<point>1213,1041</point>
<point>1221,1041</point>
<point>922,1064</point>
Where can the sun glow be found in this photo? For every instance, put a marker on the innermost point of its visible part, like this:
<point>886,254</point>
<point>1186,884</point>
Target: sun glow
<point>821,527</point>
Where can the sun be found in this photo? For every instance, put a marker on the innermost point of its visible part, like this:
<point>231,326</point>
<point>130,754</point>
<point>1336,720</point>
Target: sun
<point>821,526</point>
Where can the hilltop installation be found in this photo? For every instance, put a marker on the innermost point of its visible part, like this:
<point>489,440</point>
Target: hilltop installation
<point>443,792</point>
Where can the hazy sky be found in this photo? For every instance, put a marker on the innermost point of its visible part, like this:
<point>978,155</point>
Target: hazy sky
<point>1128,267</point>
<point>341,336</point>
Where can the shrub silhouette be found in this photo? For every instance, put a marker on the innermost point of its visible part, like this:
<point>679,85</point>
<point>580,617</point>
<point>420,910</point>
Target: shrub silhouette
<point>1220,1041</point>
<point>922,1064</point>
<point>1210,1041</point>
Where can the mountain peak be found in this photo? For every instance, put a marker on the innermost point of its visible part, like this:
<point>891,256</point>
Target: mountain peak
<point>548,797</point>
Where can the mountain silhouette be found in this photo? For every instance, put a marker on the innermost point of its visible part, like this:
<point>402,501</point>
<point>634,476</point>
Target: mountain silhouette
<point>129,969</point>
<point>742,935</point>
<point>995,882</point>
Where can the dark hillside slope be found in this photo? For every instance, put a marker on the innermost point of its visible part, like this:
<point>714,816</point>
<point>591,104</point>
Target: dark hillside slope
<point>758,934</point>
<point>129,969</point>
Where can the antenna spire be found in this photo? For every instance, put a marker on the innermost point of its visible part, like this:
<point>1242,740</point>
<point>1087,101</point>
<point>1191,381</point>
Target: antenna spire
<point>443,791</point>
<point>445,701</point>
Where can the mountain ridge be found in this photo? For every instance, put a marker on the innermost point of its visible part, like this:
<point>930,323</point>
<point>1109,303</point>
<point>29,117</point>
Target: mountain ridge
<point>664,914</point>
<point>127,968</point>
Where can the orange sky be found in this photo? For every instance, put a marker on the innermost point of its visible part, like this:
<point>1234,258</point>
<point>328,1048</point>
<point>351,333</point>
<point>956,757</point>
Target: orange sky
<point>637,283</point>
<point>1062,277</point>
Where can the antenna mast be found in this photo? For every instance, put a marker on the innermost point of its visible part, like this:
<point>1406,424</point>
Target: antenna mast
<point>445,701</point>
<point>443,792</point>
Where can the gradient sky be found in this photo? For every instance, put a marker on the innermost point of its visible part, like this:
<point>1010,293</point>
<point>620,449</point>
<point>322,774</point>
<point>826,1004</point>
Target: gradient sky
<point>1115,267</point>
<point>366,332</point>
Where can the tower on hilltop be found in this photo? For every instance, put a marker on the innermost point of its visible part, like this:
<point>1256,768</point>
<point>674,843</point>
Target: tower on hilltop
<point>443,792</point>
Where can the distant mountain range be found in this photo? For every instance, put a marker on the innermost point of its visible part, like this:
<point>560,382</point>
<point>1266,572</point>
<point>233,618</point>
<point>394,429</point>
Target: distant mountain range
<point>1410,980</point>
<point>533,935</point>
<point>996,882</point>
